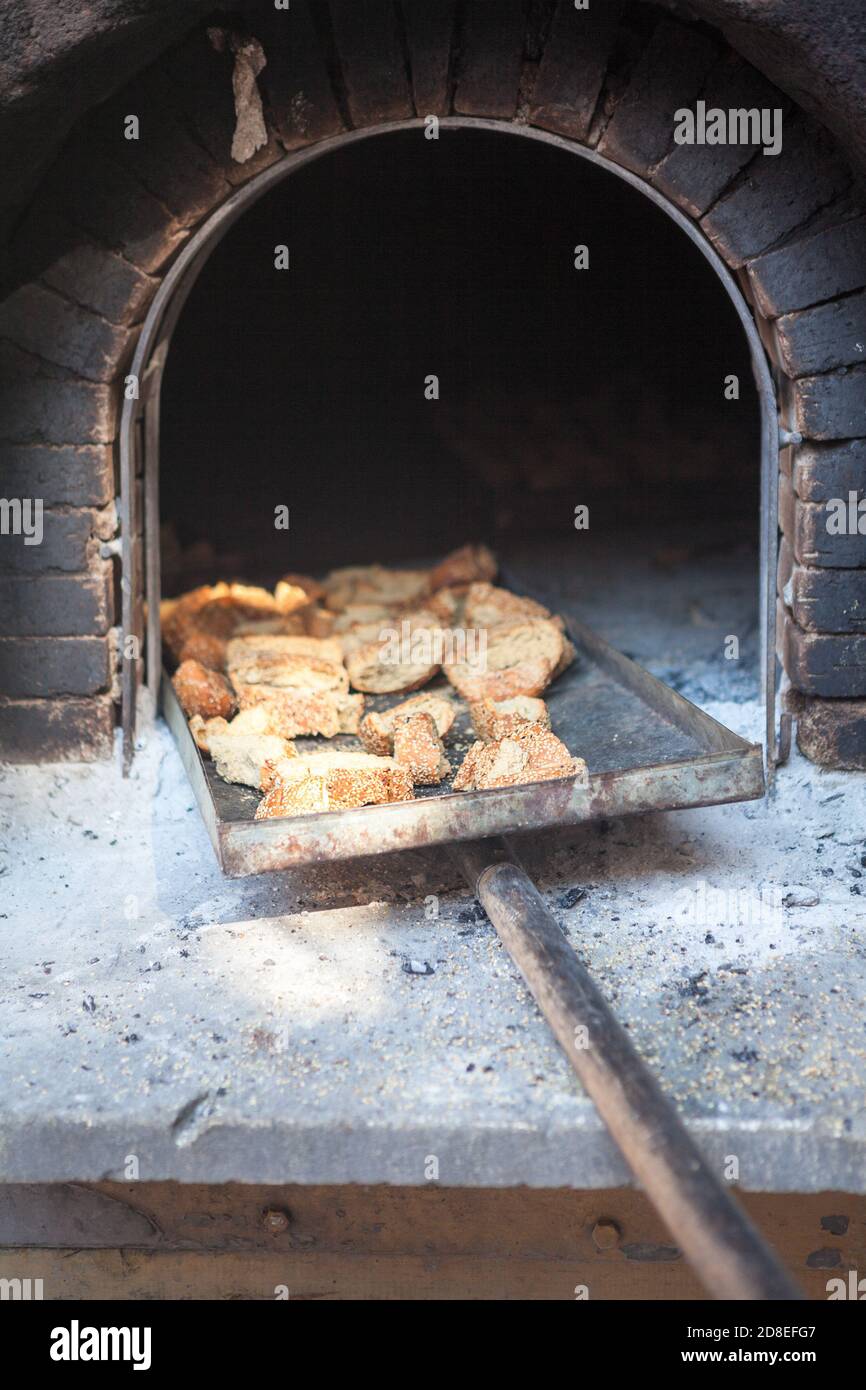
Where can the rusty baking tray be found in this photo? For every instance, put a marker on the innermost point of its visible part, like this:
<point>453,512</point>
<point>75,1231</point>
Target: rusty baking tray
<point>646,749</point>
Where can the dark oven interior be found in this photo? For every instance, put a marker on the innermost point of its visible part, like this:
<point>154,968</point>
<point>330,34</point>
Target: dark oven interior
<point>604,387</point>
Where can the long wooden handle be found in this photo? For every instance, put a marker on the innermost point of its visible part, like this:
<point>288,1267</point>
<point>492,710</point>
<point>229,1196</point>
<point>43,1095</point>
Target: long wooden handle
<point>726,1251</point>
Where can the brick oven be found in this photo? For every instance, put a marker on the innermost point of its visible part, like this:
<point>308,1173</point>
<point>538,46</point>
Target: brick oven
<point>121,191</point>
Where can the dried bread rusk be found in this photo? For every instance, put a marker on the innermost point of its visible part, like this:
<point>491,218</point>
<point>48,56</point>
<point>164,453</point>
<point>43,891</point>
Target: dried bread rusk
<point>202,691</point>
<point>377,728</point>
<point>418,748</point>
<point>305,713</point>
<point>491,719</point>
<point>519,659</point>
<point>463,566</point>
<point>240,757</point>
<point>350,779</point>
<point>529,753</point>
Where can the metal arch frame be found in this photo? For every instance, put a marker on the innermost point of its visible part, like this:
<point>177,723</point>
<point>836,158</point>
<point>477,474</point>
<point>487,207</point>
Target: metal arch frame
<point>139,423</point>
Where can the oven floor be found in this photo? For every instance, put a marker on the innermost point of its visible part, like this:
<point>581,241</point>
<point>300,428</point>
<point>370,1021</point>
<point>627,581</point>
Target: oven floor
<point>344,1024</point>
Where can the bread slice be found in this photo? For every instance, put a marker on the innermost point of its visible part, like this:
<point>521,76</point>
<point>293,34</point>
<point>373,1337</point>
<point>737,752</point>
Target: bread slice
<point>289,582</point>
<point>373,584</point>
<point>492,719</point>
<point>418,748</point>
<point>308,673</point>
<point>464,566</point>
<point>331,781</point>
<point>405,658</point>
<point>240,757</point>
<point>305,713</point>
<point>486,605</point>
<point>519,659</point>
<point>243,650</point>
<point>202,691</point>
<point>377,728</point>
<point>529,753</point>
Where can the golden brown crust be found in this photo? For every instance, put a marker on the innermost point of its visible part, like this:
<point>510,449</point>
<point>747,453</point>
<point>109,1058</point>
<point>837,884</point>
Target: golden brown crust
<point>492,720</point>
<point>377,728</point>
<point>204,692</point>
<point>373,584</point>
<point>486,606</point>
<point>205,648</point>
<point>244,650</point>
<point>349,780</point>
<point>309,586</point>
<point>418,748</point>
<point>530,753</point>
<point>464,566</point>
<point>520,659</point>
<point>305,713</point>
<point>404,659</point>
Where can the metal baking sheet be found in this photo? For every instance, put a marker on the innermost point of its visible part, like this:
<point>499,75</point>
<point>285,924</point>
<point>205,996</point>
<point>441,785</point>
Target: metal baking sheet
<point>646,749</point>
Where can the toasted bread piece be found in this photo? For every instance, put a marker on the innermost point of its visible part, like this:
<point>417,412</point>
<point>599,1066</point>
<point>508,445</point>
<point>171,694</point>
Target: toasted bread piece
<point>309,673</point>
<point>373,584</point>
<point>282,624</point>
<point>371,671</point>
<point>464,566</point>
<point>318,621</point>
<point>530,753</point>
<point>377,729</point>
<point>448,605</point>
<point>240,757</point>
<point>418,748</point>
<point>492,719</point>
<point>242,650</point>
<point>305,713</point>
<point>486,606</point>
<point>204,692</point>
<point>519,659</point>
<point>289,582</point>
<point>205,648</point>
<point>350,779</point>
<point>202,728</point>
<point>307,796</point>
<point>177,615</point>
<point>405,656</point>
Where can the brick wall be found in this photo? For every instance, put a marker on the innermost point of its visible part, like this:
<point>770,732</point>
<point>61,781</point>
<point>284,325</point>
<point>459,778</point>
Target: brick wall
<point>89,253</point>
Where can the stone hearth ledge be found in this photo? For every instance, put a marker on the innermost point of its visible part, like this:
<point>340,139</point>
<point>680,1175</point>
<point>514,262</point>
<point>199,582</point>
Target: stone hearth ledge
<point>280,1029</point>
<point>322,1027</point>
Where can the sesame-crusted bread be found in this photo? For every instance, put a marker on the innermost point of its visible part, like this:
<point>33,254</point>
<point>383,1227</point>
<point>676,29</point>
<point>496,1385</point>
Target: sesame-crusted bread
<point>519,659</point>
<point>377,727</point>
<point>349,779</point>
<point>492,719</point>
<point>305,713</point>
<point>202,691</point>
<point>529,753</point>
<point>418,748</point>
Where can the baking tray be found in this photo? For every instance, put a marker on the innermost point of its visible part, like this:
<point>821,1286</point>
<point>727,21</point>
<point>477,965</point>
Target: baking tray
<point>646,749</point>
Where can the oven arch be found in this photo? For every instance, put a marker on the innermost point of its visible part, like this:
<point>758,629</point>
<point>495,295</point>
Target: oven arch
<point>138,435</point>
